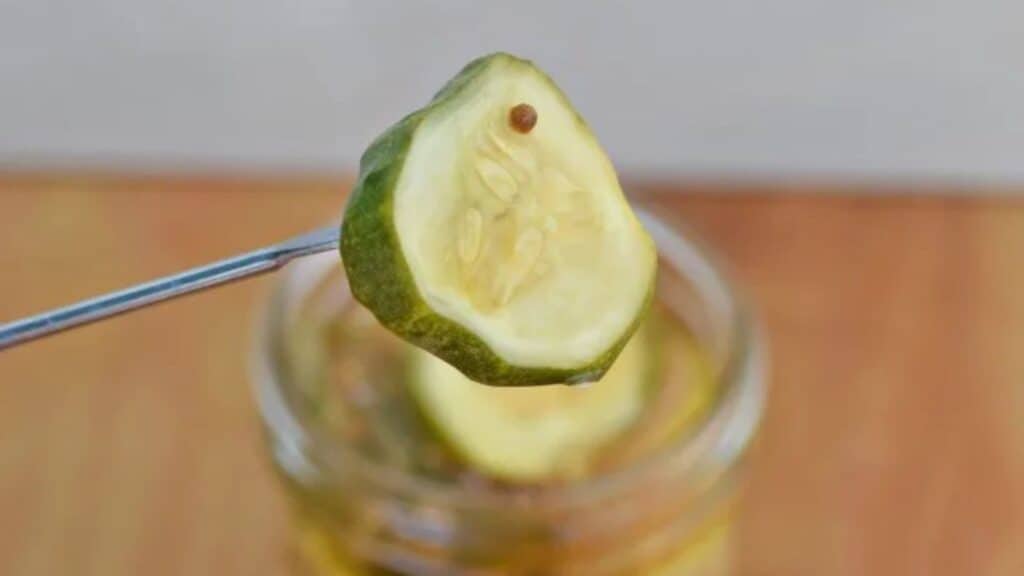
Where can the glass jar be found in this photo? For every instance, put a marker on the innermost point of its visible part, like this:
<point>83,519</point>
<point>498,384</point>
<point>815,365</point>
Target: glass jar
<point>666,511</point>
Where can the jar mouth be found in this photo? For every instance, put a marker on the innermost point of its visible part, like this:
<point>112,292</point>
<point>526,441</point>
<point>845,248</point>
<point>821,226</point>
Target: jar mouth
<point>719,438</point>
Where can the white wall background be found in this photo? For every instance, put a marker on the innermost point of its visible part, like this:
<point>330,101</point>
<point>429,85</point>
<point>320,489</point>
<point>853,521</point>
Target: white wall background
<point>868,88</point>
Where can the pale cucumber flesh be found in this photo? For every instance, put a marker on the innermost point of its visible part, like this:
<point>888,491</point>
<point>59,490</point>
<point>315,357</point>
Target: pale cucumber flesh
<point>533,434</point>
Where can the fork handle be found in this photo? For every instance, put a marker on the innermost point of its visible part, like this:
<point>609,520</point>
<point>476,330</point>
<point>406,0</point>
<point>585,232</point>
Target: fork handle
<point>187,282</point>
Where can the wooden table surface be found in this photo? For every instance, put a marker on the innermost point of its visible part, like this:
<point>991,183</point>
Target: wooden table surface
<point>893,441</point>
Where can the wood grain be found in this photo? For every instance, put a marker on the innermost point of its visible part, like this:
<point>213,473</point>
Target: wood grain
<point>893,441</point>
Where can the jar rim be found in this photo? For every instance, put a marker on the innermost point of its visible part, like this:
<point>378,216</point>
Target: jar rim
<point>722,436</point>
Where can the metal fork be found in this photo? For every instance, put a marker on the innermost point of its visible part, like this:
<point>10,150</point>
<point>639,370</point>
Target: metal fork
<point>215,274</point>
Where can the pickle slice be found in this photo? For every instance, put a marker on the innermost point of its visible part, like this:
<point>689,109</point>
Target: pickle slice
<point>533,434</point>
<point>489,228</point>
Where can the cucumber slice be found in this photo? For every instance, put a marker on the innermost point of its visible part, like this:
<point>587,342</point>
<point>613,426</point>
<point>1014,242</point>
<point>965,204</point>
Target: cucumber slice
<point>533,434</point>
<point>489,228</point>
